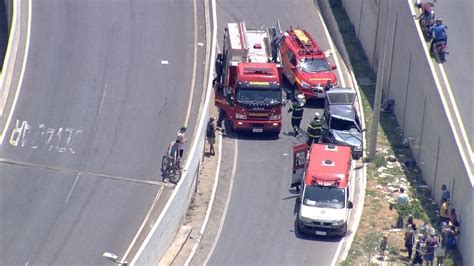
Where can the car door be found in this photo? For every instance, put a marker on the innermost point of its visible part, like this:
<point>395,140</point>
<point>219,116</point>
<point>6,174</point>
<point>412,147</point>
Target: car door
<point>300,154</point>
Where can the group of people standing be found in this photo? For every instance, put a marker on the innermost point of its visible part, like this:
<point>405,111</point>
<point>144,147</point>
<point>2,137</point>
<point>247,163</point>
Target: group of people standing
<point>430,242</point>
<point>314,127</point>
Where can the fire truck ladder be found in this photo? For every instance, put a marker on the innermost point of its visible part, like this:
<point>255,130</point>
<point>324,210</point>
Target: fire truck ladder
<point>307,45</point>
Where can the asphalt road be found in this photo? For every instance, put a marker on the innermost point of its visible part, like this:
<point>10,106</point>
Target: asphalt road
<point>96,110</point>
<point>457,15</point>
<point>259,227</point>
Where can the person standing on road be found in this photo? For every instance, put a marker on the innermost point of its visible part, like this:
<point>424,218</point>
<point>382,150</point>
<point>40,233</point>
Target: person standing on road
<point>297,109</point>
<point>314,130</point>
<point>219,65</point>
<point>211,135</point>
<point>181,141</point>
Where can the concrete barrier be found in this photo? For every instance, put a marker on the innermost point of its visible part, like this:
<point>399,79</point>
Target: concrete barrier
<point>421,107</point>
<point>171,218</point>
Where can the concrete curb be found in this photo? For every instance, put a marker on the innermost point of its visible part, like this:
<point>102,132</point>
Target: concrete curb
<point>10,55</point>
<point>337,37</point>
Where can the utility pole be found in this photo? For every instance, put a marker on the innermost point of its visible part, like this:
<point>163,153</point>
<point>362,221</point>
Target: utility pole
<point>378,92</point>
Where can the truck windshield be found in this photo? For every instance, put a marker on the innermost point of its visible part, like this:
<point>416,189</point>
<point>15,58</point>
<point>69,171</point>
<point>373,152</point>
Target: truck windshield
<point>324,197</point>
<point>259,95</point>
<point>312,65</point>
<point>341,124</point>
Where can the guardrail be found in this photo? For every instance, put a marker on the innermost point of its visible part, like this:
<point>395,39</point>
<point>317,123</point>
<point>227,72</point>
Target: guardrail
<point>164,230</point>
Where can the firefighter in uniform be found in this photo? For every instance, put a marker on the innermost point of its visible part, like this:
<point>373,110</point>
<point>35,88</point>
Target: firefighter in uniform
<point>314,130</point>
<point>297,109</point>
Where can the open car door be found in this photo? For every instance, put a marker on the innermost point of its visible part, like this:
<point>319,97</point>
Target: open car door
<point>300,154</point>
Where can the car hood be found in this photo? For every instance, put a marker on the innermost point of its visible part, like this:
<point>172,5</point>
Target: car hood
<point>323,214</point>
<point>353,139</point>
<point>318,77</point>
<point>345,112</point>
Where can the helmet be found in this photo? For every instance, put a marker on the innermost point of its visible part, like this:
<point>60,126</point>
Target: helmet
<point>438,21</point>
<point>316,115</point>
<point>300,97</point>
<point>183,128</point>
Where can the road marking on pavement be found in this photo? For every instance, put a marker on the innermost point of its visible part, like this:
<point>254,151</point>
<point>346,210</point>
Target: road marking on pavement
<point>188,111</point>
<point>72,187</point>
<point>209,206</point>
<point>193,78</point>
<point>103,98</point>
<point>23,67</point>
<point>333,49</point>
<point>107,176</point>
<point>467,163</point>
<point>158,194</point>
<point>456,112</point>
<point>226,207</point>
<point>165,62</point>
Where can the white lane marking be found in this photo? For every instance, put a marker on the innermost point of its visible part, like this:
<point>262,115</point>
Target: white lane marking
<point>467,164</point>
<point>209,207</point>
<point>107,176</point>
<point>23,67</point>
<point>72,187</point>
<point>333,48</point>
<point>456,112</point>
<point>193,78</point>
<point>6,63</point>
<point>226,207</point>
<point>102,99</point>
<point>134,240</point>
<point>188,111</point>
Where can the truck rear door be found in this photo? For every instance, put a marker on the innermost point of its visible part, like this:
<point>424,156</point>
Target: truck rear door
<point>300,153</point>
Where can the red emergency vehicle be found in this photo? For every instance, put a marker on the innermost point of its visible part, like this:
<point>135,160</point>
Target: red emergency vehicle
<point>250,95</point>
<point>305,65</point>
<point>325,195</point>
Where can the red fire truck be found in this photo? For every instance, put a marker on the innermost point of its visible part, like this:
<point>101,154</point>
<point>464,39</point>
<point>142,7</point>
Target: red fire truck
<point>250,95</point>
<point>305,65</point>
<point>325,175</point>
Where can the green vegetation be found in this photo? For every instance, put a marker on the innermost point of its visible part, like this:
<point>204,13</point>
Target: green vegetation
<point>383,177</point>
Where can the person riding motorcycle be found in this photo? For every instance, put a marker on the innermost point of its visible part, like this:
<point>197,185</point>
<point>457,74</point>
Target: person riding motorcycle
<point>427,15</point>
<point>439,33</point>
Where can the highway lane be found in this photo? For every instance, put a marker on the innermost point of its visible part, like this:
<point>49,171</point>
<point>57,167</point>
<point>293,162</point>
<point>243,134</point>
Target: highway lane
<point>96,111</point>
<point>259,227</point>
<point>460,61</point>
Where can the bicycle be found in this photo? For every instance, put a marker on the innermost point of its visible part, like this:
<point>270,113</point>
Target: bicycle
<point>170,169</point>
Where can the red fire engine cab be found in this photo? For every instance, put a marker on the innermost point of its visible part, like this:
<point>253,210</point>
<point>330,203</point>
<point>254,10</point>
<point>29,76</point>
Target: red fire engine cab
<point>305,65</point>
<point>325,175</point>
<point>250,95</point>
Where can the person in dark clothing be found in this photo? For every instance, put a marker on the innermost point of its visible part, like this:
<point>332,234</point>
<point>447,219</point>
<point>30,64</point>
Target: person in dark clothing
<point>314,130</point>
<point>275,43</point>
<point>438,31</point>
<point>419,250</point>
<point>297,109</point>
<point>211,135</point>
<point>219,65</point>
<point>409,236</point>
<point>327,86</point>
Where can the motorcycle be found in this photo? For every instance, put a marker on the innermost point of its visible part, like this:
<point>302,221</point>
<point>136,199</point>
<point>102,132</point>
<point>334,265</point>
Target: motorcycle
<point>427,21</point>
<point>440,51</point>
<point>425,25</point>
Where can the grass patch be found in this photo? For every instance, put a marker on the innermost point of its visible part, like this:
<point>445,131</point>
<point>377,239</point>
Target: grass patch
<point>376,219</point>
